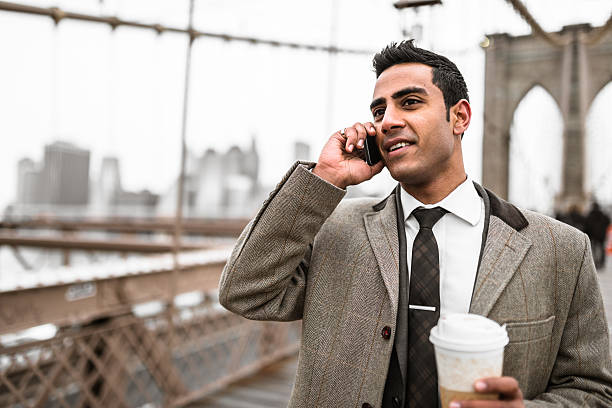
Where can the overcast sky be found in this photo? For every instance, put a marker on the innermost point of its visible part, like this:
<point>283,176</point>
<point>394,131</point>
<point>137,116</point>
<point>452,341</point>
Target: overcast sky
<point>120,93</point>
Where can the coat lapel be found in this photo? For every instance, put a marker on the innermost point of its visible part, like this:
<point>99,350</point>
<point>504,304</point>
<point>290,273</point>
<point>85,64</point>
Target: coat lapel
<point>381,228</point>
<point>503,252</point>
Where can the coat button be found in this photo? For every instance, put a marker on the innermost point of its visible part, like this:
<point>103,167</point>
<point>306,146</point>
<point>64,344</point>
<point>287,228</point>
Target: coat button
<point>366,405</point>
<point>396,402</point>
<point>386,333</point>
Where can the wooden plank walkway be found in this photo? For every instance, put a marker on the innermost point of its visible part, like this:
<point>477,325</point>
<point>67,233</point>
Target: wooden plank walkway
<point>271,387</point>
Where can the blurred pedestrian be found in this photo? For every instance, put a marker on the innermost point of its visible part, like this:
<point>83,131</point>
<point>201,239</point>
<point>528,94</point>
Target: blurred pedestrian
<point>575,218</point>
<point>596,226</point>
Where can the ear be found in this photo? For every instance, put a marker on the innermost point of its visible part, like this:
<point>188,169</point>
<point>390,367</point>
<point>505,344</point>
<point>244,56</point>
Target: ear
<point>461,114</point>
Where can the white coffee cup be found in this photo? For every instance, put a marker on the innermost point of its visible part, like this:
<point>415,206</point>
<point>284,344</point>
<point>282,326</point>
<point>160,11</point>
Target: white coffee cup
<point>467,347</point>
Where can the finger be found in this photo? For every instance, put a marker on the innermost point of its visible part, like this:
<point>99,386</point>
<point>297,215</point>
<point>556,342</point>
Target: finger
<point>340,135</point>
<point>483,404</point>
<point>508,387</point>
<point>337,140</point>
<point>361,135</point>
<point>370,128</point>
<point>351,139</point>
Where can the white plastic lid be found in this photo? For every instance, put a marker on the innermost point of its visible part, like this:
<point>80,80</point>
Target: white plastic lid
<point>468,332</point>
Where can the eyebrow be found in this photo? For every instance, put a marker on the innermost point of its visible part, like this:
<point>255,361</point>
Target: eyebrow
<point>399,94</point>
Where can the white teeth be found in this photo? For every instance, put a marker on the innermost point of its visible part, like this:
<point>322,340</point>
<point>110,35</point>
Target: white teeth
<point>399,146</point>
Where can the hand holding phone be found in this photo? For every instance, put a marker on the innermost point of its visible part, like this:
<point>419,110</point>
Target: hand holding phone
<point>345,160</point>
<point>372,153</point>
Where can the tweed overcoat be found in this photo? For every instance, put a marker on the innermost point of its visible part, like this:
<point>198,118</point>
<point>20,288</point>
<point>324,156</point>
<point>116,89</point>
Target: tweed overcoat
<point>335,265</point>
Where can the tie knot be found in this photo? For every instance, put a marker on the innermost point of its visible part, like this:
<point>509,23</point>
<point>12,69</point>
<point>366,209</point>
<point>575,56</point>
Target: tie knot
<point>427,217</point>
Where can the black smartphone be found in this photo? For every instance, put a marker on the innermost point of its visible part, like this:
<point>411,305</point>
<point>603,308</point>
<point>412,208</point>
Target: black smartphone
<point>372,154</point>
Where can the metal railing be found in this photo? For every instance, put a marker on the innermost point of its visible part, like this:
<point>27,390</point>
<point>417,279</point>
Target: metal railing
<point>118,343</point>
<point>131,361</point>
<point>210,227</point>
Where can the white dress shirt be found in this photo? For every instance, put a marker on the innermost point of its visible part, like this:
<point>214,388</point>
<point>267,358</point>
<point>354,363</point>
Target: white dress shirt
<point>459,237</point>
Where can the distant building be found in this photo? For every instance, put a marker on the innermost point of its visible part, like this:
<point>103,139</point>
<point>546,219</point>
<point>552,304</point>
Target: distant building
<point>65,174</point>
<point>28,188</point>
<point>111,199</point>
<point>207,184</point>
<point>220,185</point>
<point>61,179</point>
<point>109,180</point>
<point>226,184</point>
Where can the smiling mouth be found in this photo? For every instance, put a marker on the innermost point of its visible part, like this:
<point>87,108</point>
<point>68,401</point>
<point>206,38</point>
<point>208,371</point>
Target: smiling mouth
<point>399,146</point>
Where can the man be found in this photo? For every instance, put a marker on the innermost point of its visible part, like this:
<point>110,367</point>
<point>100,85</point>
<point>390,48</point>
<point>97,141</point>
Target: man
<point>362,277</point>
<point>596,227</point>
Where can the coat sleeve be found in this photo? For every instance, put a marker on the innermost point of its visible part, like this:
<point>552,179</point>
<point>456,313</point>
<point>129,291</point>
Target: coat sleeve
<point>582,374</point>
<point>266,274</point>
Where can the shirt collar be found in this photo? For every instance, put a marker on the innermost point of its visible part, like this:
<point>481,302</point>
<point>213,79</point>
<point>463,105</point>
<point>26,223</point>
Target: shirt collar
<point>463,201</point>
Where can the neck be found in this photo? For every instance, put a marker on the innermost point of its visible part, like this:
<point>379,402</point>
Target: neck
<point>436,190</point>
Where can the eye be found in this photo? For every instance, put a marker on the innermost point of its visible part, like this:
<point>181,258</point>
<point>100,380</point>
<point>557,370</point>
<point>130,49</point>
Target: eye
<point>410,101</point>
<point>378,112</point>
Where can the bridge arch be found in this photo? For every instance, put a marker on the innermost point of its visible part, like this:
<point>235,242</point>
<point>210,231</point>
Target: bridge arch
<point>572,73</point>
<point>541,90</point>
<point>535,151</point>
<point>599,146</point>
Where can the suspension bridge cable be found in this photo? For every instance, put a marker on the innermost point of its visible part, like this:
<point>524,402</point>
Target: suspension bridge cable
<point>596,35</point>
<point>552,38</point>
<point>58,15</point>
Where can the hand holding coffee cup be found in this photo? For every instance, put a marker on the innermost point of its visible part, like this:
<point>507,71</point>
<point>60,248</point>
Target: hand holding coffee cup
<point>468,347</point>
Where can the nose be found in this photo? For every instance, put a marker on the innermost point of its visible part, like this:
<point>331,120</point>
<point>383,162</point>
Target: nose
<point>391,120</point>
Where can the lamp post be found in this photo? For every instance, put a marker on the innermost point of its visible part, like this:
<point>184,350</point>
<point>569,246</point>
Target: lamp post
<point>416,31</point>
<point>415,3</point>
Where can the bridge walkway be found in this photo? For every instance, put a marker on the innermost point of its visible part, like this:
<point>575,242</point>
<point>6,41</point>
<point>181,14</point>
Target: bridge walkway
<point>269,388</point>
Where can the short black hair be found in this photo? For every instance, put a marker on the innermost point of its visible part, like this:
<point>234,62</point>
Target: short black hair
<point>445,74</point>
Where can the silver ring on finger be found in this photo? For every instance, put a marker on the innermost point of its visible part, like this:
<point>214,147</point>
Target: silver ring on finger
<point>343,132</point>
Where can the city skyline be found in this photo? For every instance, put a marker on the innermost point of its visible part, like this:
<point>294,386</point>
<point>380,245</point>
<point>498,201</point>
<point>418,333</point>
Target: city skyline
<point>217,184</point>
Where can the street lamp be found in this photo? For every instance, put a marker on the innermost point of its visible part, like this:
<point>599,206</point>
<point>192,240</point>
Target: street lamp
<point>416,31</point>
<point>415,3</point>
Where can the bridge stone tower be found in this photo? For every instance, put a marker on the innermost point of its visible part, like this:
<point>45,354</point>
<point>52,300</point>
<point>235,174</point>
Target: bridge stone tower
<point>573,65</point>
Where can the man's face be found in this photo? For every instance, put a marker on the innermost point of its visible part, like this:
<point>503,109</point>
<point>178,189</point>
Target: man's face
<point>416,140</point>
